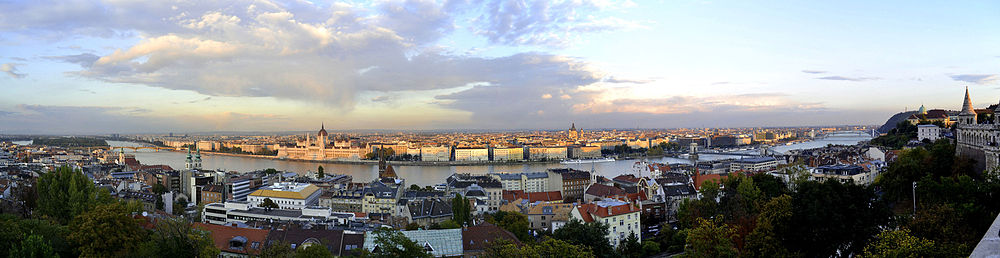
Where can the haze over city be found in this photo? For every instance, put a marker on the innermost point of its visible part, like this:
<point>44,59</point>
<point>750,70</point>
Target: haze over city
<point>135,67</point>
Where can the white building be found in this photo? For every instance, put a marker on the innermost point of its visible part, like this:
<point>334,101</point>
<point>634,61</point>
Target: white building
<point>288,195</point>
<point>754,164</point>
<point>440,153</point>
<point>621,217</point>
<point>930,132</point>
<point>472,154</point>
<point>236,211</point>
<point>508,154</point>
<point>529,182</point>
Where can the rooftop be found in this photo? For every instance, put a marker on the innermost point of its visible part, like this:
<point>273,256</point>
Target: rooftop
<point>288,190</point>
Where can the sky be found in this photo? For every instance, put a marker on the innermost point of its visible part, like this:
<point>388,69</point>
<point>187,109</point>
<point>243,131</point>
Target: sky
<point>139,66</point>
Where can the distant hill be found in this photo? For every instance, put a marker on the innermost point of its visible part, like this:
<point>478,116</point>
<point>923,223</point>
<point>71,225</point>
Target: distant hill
<point>895,119</point>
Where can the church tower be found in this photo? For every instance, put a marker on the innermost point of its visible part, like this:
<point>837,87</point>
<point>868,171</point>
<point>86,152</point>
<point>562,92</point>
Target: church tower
<point>189,162</point>
<point>968,114</point>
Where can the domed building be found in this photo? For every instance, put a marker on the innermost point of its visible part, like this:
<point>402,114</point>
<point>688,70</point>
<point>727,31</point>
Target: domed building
<point>321,149</point>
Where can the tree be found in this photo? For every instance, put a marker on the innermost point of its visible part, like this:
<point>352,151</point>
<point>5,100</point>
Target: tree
<point>177,238</point>
<point>549,248</point>
<point>763,241</point>
<point>278,250</point>
<point>65,193</point>
<point>899,243</point>
<point>461,209</point>
<point>447,224</point>
<point>415,187</point>
<point>319,172</point>
<point>514,222</point>
<point>313,251</point>
<point>107,231</point>
<point>268,204</point>
<point>270,171</point>
<point>650,248</point>
<point>630,247</point>
<point>393,244</point>
<point>594,235</point>
<point>712,238</point>
<point>159,189</point>
<point>180,205</point>
<point>33,246</point>
<point>831,218</point>
<point>412,226</point>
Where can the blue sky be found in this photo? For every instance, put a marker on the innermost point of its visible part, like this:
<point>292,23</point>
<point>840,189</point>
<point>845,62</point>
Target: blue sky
<point>162,66</point>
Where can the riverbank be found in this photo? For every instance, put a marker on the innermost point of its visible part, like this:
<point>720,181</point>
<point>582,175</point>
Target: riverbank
<point>375,162</point>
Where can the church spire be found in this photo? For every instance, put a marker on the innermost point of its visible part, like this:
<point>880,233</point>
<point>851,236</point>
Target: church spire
<point>967,105</point>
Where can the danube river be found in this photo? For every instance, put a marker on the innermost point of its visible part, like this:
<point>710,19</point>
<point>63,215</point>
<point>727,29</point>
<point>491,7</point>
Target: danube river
<point>430,175</point>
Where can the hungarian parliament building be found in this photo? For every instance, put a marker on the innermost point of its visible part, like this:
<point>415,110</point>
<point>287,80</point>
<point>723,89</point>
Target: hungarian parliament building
<point>320,149</point>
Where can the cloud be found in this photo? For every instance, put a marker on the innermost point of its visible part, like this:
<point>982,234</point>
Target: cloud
<point>813,71</point>
<point>383,98</point>
<point>329,54</point>
<point>612,79</point>
<point>11,69</point>
<point>977,78</point>
<point>853,79</point>
<point>85,60</point>
<point>543,23</point>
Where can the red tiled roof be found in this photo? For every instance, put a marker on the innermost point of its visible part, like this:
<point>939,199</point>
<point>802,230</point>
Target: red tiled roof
<point>160,167</point>
<point>589,210</point>
<point>477,238</point>
<point>550,196</point>
<point>604,190</point>
<point>627,178</point>
<point>222,235</point>
<point>717,178</point>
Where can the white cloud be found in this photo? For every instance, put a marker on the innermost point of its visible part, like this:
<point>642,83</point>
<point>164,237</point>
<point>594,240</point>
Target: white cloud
<point>11,70</point>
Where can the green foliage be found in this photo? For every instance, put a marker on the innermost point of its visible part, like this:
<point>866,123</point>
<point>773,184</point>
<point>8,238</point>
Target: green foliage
<point>15,231</point>
<point>268,204</point>
<point>514,222</point>
<point>899,243</point>
<point>764,241</point>
<point>393,244</point>
<point>711,238</point>
<point>650,248</point>
<point>33,246</point>
<point>897,137</point>
<point>594,235</point>
<point>830,218</point>
<point>709,190</point>
<point>630,247</point>
<point>549,248</point>
<point>412,226</point>
<point>65,193</point>
<point>319,172</point>
<point>461,210</point>
<point>177,238</point>
<point>270,171</point>
<point>107,231</point>
<point>671,240</point>
<point>447,224</point>
<point>278,250</point>
<point>313,251</point>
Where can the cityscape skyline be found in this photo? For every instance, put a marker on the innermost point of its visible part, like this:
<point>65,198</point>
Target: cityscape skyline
<point>112,67</point>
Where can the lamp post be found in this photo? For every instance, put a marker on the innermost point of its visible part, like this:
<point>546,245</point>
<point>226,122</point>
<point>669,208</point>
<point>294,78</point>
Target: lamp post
<point>914,198</point>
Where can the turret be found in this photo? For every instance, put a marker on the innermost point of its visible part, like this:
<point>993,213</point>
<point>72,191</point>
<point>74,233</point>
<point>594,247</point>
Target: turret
<point>968,114</point>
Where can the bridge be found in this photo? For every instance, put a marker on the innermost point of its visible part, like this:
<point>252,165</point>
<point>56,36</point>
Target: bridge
<point>155,148</point>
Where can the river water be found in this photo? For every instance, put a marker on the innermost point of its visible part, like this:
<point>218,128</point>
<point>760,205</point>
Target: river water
<point>429,175</point>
